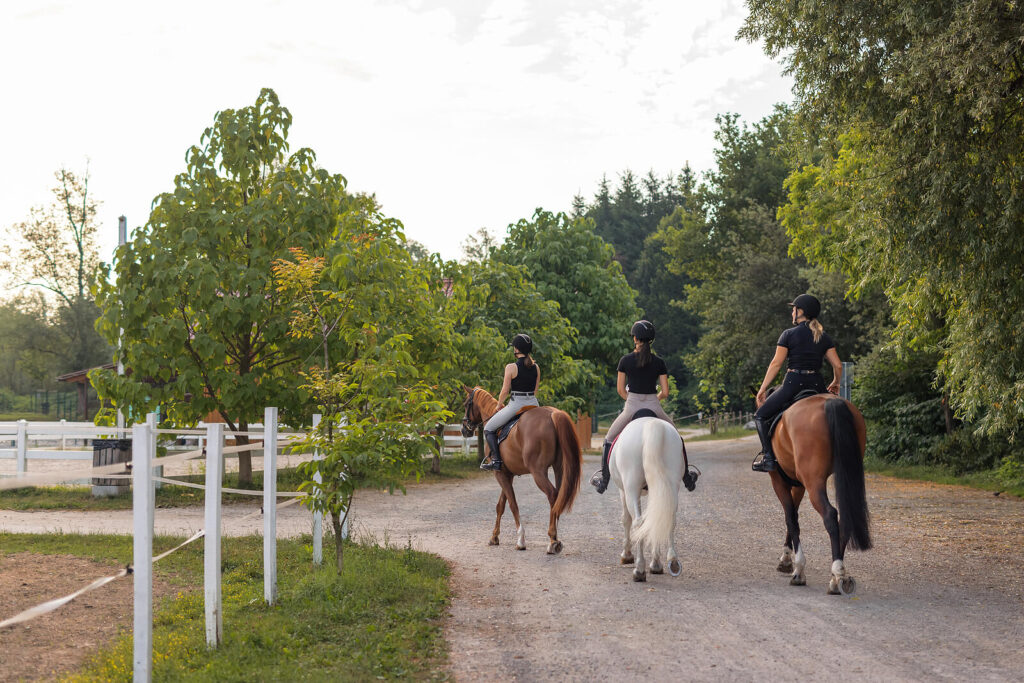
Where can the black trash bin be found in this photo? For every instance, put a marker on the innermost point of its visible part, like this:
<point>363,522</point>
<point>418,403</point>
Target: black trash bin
<point>111,452</point>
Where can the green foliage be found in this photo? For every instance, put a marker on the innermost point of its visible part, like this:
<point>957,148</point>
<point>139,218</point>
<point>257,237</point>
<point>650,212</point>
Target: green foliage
<point>366,308</point>
<point>914,179</point>
<point>382,620</point>
<point>570,264</point>
<point>204,326</point>
<point>903,409</point>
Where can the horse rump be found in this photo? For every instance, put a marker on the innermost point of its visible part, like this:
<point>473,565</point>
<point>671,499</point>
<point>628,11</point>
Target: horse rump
<point>663,463</point>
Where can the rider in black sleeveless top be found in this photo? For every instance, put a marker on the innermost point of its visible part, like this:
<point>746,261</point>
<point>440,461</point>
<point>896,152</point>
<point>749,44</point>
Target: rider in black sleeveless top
<point>519,385</point>
<point>805,346</point>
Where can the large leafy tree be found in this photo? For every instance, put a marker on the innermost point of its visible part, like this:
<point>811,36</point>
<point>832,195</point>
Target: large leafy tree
<point>193,297</point>
<point>915,178</point>
<point>379,380</point>
<point>55,252</point>
<point>570,264</point>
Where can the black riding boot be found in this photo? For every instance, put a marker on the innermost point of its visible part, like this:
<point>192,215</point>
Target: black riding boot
<point>765,460</point>
<point>492,442</point>
<point>600,479</point>
<point>691,473</point>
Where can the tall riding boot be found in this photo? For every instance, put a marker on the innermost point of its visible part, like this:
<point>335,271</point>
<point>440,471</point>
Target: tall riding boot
<point>765,460</point>
<point>492,443</point>
<point>600,479</point>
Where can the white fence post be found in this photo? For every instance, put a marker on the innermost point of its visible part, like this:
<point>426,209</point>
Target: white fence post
<point>318,517</point>
<point>63,436</point>
<point>22,446</point>
<point>270,505</point>
<point>151,420</point>
<point>142,517</point>
<point>211,548</point>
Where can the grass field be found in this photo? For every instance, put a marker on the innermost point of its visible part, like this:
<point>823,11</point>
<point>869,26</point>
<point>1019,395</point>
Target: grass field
<point>987,480</point>
<point>168,496</point>
<point>381,619</point>
<point>734,432</point>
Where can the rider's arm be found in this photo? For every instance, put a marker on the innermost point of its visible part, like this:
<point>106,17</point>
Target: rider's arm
<point>837,369</point>
<point>663,381</point>
<point>620,385</point>
<point>537,385</point>
<point>773,369</point>
<point>506,384</point>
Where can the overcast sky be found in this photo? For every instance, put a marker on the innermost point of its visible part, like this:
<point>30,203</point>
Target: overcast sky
<point>457,114</point>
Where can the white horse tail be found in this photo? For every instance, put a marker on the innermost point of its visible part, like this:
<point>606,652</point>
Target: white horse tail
<point>663,464</point>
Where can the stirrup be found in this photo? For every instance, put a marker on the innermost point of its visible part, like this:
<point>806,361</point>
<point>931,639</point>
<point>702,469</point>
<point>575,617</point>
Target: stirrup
<point>690,478</point>
<point>764,462</point>
<point>599,482</point>
<point>491,464</point>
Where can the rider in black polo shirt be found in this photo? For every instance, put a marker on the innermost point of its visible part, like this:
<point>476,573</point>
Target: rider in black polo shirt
<point>804,346</point>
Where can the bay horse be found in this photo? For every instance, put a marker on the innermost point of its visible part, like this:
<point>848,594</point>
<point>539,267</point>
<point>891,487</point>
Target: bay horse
<point>818,436</point>
<point>648,453</point>
<point>543,438</point>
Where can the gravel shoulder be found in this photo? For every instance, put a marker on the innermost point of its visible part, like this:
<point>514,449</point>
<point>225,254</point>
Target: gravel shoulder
<point>939,597</point>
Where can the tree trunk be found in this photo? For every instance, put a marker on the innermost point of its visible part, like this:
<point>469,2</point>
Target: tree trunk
<point>435,465</point>
<point>947,413</point>
<point>338,550</point>
<point>244,457</point>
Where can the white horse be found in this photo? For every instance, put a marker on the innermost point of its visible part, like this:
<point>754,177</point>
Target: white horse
<point>648,451</point>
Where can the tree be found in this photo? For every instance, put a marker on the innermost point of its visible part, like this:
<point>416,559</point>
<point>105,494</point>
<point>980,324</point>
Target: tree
<point>204,327</point>
<point>913,176</point>
<point>365,309</point>
<point>570,264</point>
<point>55,251</point>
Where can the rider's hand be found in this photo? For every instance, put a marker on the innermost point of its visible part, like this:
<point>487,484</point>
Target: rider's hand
<point>833,388</point>
<point>762,395</point>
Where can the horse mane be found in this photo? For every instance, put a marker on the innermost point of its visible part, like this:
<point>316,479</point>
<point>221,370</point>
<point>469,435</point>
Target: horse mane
<point>487,404</point>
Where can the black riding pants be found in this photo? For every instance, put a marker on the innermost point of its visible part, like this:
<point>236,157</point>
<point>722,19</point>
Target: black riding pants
<point>794,383</point>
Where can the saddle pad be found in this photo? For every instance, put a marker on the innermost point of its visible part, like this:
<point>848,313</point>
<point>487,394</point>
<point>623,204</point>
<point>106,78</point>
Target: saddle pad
<point>504,431</point>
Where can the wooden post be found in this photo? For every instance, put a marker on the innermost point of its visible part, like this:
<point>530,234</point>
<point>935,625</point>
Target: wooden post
<point>211,548</point>
<point>318,517</point>
<point>435,461</point>
<point>142,519</point>
<point>22,446</point>
<point>270,505</point>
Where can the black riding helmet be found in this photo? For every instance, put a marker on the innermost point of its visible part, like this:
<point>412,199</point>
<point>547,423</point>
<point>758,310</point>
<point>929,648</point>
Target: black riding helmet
<point>808,304</point>
<point>522,343</point>
<point>643,330</point>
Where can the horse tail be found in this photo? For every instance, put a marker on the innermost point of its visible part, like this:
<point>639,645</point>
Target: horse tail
<point>848,465</point>
<point>568,447</point>
<point>663,472</point>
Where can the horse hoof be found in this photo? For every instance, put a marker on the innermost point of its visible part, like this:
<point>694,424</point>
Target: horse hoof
<point>657,570</point>
<point>785,567</point>
<point>629,559</point>
<point>520,547</point>
<point>639,577</point>
<point>847,585</point>
<point>555,548</point>
<point>675,568</point>
<point>493,541</point>
<point>798,581</point>
<point>833,587</point>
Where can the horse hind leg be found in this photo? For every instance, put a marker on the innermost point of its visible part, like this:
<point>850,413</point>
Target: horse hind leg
<point>544,484</point>
<point>627,543</point>
<point>786,559</point>
<point>840,582</point>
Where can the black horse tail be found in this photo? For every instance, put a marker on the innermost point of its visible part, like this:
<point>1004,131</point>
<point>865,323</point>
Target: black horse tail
<point>848,465</point>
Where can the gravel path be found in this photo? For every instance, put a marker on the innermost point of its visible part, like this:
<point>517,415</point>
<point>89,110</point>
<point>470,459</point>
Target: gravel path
<point>939,598</point>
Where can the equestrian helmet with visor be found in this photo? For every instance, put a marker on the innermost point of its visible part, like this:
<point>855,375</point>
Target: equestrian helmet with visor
<point>643,330</point>
<point>522,343</point>
<point>808,304</point>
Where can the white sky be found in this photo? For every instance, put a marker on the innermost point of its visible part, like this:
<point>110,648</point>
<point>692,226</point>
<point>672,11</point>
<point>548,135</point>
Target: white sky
<point>458,114</point>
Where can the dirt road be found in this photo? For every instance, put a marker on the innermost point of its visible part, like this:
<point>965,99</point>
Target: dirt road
<point>939,598</point>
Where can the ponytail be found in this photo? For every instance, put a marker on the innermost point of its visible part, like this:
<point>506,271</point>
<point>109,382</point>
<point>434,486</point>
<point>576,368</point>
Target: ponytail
<point>527,361</point>
<point>643,354</point>
<point>816,329</point>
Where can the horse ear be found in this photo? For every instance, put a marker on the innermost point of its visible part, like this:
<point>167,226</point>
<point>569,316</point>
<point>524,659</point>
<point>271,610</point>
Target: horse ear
<point>466,389</point>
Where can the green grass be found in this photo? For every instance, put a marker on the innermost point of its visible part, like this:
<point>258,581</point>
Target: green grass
<point>169,496</point>
<point>988,480</point>
<point>380,619</point>
<point>734,432</point>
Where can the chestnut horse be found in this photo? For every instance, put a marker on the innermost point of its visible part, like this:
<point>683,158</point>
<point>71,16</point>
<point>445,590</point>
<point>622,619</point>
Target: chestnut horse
<point>819,436</point>
<point>543,438</point>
